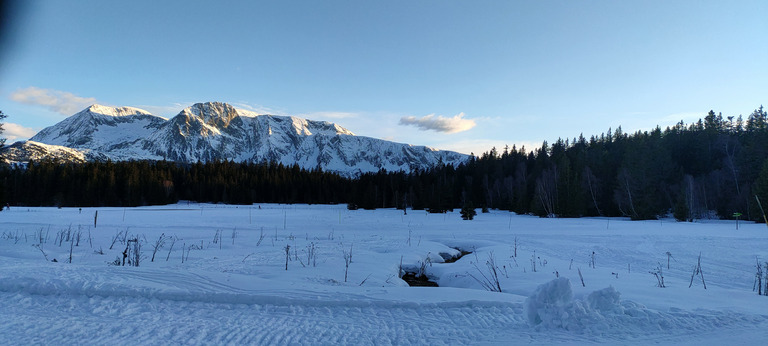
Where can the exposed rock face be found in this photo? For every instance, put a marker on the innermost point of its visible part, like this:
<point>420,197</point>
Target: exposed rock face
<point>218,131</point>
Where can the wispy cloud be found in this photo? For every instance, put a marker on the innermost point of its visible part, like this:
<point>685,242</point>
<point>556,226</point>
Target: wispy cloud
<point>256,108</point>
<point>165,111</point>
<point>62,102</point>
<point>13,132</point>
<point>439,123</point>
<point>687,117</point>
<point>481,146</point>
<point>330,115</point>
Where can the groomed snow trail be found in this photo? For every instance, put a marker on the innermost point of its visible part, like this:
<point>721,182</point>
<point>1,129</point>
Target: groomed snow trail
<point>30,319</point>
<point>108,316</point>
<point>237,291</point>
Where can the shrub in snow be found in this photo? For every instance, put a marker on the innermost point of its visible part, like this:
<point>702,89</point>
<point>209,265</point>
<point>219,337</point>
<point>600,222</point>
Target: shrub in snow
<point>659,274</point>
<point>489,279</point>
<point>468,212</point>
<point>697,271</point>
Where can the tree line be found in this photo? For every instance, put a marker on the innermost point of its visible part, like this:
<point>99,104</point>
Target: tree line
<point>138,183</point>
<point>712,168</point>
<point>716,167</point>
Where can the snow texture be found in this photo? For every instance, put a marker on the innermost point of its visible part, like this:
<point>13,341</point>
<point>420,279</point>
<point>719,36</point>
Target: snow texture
<point>220,278</point>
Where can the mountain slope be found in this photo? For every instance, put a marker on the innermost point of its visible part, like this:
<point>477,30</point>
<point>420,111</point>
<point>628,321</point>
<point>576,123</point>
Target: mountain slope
<point>29,150</point>
<point>99,127</point>
<point>218,131</point>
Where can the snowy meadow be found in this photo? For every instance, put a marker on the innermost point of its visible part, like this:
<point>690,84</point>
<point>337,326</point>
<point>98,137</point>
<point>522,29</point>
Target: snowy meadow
<point>322,274</point>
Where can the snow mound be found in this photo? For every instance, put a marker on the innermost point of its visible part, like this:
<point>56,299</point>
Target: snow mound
<point>552,305</point>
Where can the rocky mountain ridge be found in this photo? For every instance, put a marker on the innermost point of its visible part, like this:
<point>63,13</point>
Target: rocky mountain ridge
<point>218,131</point>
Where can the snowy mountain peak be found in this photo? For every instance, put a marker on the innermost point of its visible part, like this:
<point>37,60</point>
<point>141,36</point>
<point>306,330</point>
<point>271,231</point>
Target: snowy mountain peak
<point>218,131</point>
<point>309,127</point>
<point>215,114</point>
<point>113,111</point>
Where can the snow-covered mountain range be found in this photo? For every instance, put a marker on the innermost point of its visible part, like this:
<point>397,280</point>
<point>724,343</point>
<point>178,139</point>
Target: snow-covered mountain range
<point>218,131</point>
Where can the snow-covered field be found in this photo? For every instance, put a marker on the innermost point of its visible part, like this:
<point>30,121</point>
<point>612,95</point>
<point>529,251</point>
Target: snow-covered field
<point>224,280</point>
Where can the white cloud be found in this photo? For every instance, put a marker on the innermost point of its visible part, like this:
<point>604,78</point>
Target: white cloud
<point>439,123</point>
<point>58,101</point>
<point>15,132</point>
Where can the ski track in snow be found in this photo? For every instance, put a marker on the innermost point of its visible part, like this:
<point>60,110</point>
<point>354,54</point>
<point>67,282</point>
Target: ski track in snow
<point>239,293</point>
<point>145,321</point>
<point>205,315</point>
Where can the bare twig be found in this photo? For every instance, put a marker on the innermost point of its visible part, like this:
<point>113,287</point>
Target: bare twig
<point>489,281</point>
<point>41,250</point>
<point>697,271</point>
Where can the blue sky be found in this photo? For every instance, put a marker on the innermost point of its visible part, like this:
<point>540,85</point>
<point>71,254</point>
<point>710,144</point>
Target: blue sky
<point>458,75</point>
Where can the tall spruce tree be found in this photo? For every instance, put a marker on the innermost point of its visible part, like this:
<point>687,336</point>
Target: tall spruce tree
<point>2,139</point>
<point>2,142</point>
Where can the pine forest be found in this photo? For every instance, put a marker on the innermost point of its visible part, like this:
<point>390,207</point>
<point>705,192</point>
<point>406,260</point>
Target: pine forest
<point>716,167</point>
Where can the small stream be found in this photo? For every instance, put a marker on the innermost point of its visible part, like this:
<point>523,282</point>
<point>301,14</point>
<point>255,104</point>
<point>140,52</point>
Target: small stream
<point>415,280</point>
<point>418,281</point>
